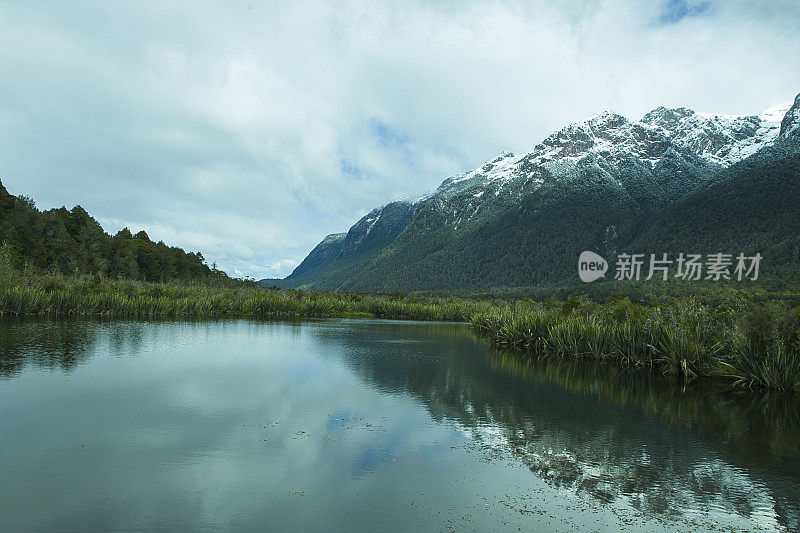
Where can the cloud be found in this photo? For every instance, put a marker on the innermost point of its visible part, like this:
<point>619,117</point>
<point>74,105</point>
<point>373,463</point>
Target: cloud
<point>249,131</point>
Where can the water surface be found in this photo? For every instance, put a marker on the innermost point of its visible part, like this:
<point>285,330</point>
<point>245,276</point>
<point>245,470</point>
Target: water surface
<point>368,425</point>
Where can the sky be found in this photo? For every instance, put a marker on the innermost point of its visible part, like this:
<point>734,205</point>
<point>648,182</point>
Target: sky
<point>250,130</point>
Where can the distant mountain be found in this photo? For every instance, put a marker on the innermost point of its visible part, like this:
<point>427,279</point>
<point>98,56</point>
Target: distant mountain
<point>332,262</point>
<point>606,184</point>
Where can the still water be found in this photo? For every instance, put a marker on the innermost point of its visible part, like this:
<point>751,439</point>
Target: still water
<point>368,425</point>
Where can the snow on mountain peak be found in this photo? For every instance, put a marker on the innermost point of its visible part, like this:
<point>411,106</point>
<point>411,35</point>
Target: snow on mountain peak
<point>334,237</point>
<point>790,124</point>
<point>606,134</point>
<point>776,112</point>
<point>718,138</point>
<point>665,131</point>
<point>496,167</point>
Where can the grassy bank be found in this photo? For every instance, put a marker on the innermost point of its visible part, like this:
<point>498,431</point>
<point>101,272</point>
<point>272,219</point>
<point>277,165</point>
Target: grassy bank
<point>54,295</point>
<point>743,342</point>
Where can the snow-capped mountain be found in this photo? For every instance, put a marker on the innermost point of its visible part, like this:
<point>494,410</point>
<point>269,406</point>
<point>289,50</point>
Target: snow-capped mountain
<point>592,184</point>
<point>640,160</point>
<point>721,139</point>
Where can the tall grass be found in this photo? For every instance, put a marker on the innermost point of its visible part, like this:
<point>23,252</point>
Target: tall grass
<point>765,348</point>
<point>745,343</point>
<point>91,296</point>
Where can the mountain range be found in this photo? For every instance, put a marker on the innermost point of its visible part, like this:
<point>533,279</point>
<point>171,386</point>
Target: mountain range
<point>675,181</point>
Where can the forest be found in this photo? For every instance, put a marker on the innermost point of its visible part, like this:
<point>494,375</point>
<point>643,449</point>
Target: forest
<point>71,242</point>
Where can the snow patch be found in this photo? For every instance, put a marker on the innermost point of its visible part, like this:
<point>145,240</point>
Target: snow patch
<point>333,237</point>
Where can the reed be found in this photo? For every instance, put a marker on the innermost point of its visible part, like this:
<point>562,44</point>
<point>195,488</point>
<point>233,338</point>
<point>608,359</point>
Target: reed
<point>91,296</point>
<point>764,348</point>
<point>687,351</point>
<point>743,343</point>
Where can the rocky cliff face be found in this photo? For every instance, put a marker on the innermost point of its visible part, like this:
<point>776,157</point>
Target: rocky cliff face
<point>790,125</point>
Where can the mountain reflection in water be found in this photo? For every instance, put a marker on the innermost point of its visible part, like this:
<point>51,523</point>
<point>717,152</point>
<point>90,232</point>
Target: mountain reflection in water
<point>665,448</point>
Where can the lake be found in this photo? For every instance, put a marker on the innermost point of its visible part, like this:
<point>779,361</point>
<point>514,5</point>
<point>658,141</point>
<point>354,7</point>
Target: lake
<point>367,425</point>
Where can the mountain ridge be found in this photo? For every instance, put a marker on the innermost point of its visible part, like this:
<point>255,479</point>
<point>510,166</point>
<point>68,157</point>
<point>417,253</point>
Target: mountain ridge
<point>622,171</point>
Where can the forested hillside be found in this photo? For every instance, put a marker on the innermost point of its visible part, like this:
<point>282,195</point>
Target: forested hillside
<point>752,207</point>
<point>532,243</point>
<point>70,241</point>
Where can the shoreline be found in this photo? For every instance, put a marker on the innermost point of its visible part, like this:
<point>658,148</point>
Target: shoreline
<point>741,341</point>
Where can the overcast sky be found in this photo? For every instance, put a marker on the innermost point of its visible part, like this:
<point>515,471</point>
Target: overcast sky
<point>250,130</point>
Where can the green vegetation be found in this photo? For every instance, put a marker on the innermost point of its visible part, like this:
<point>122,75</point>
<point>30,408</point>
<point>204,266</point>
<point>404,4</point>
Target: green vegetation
<point>72,242</point>
<point>642,292</point>
<point>61,263</point>
<point>26,294</point>
<point>751,207</point>
<point>744,342</point>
